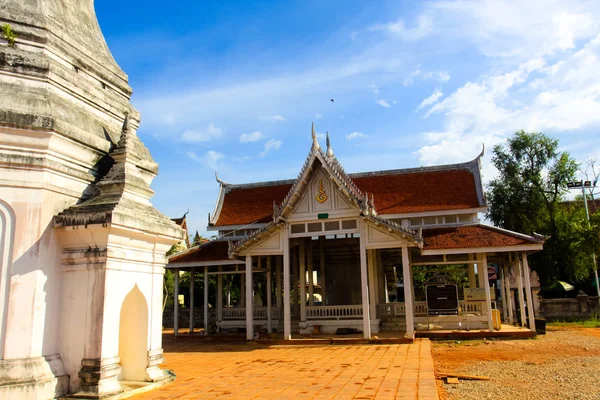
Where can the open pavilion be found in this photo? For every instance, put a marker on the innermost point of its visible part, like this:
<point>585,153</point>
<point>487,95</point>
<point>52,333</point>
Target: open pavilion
<point>330,250</point>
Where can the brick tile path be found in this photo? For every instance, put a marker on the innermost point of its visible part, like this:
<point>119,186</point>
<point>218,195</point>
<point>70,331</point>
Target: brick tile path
<point>208,370</point>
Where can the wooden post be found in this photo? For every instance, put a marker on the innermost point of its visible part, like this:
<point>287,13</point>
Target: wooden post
<point>176,303</point>
<point>482,268</point>
<point>509,304</point>
<point>192,276</point>
<point>408,293</point>
<point>364,282</point>
<point>471,273</point>
<point>503,291</point>
<point>269,297</point>
<point>206,300</point>
<point>311,283</point>
<point>243,290</point>
<point>302,282</point>
<point>372,284</point>
<point>520,288</point>
<point>287,315</point>
<point>278,289</point>
<point>249,305</point>
<point>220,294</point>
<point>528,294</point>
<point>322,268</point>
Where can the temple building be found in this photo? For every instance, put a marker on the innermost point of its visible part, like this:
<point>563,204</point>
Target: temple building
<point>399,250</point>
<point>82,249</point>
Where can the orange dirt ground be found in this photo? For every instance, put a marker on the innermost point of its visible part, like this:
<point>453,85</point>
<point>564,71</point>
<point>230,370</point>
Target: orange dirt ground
<point>450,355</point>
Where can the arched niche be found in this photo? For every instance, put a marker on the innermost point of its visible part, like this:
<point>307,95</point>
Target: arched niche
<point>133,337</point>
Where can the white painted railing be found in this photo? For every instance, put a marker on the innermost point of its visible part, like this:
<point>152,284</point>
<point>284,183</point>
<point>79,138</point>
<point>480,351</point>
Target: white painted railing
<point>334,312</point>
<point>257,313</point>
<point>420,308</point>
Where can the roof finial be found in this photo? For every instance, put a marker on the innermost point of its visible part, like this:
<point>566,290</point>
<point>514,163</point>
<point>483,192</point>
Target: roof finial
<point>217,178</point>
<point>315,144</point>
<point>329,149</point>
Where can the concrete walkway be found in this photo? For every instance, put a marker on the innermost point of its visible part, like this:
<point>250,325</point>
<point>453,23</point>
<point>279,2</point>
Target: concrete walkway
<point>208,370</point>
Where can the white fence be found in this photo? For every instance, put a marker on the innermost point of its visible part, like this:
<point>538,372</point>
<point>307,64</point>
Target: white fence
<point>257,313</point>
<point>334,312</point>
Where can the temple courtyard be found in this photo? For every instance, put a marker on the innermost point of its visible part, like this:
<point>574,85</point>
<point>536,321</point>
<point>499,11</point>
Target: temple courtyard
<point>208,369</point>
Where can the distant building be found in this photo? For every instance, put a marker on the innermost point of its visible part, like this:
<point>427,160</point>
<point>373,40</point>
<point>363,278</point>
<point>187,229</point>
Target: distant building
<point>335,250</point>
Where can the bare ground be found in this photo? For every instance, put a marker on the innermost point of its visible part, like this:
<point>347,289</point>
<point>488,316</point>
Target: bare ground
<point>563,364</point>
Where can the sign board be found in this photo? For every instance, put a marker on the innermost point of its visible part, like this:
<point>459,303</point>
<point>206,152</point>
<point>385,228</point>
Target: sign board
<point>442,299</point>
<point>478,294</point>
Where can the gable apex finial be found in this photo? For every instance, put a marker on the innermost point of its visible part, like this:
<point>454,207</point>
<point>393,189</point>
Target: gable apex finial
<point>315,144</point>
<point>329,149</point>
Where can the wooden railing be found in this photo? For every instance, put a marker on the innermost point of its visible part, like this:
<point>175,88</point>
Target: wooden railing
<point>257,313</point>
<point>334,312</point>
<point>420,308</point>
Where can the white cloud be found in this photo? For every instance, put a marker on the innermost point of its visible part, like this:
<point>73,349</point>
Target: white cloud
<point>275,118</point>
<point>210,159</point>
<point>435,96</point>
<point>564,96</point>
<point>318,116</point>
<point>422,27</point>
<point>251,137</point>
<point>419,74</point>
<point>383,103</point>
<point>321,136</point>
<point>374,89</point>
<point>209,133</point>
<point>271,144</point>
<point>356,135</point>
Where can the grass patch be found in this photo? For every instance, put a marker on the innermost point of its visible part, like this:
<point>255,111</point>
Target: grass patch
<point>592,322</point>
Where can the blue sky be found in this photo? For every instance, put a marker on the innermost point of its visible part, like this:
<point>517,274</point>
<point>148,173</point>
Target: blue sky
<point>233,86</point>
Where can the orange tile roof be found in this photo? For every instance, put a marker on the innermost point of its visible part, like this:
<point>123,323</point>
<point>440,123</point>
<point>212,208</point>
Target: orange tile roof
<point>421,191</point>
<point>471,236</point>
<point>396,192</point>
<point>210,251</point>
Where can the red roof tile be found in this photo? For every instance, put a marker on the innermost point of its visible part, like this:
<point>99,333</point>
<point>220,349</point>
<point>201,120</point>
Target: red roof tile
<point>421,191</point>
<point>469,237</point>
<point>210,251</point>
<point>395,193</point>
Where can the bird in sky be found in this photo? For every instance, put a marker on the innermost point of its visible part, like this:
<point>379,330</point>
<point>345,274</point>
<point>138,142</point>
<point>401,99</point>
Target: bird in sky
<point>331,100</point>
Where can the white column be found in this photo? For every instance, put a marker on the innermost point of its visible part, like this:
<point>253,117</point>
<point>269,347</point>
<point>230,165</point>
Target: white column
<point>372,284</point>
<point>528,294</point>
<point>508,296</point>
<point>206,300</point>
<point>269,297</point>
<point>311,283</point>
<point>176,302</point>
<point>408,295</point>
<point>520,288</point>
<point>287,317</point>
<point>220,294</point>
<point>302,282</point>
<point>322,267</point>
<point>249,307</point>
<point>192,276</point>
<point>243,290</point>
<point>364,281</point>
<point>482,268</point>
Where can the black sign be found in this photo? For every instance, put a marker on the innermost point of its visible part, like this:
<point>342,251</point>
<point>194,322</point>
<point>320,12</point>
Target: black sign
<point>442,300</point>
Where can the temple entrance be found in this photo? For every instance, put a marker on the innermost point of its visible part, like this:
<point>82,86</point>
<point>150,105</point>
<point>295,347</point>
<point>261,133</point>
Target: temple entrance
<point>133,337</point>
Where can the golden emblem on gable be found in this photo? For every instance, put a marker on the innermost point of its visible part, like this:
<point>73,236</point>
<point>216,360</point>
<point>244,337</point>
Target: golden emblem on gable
<point>321,196</point>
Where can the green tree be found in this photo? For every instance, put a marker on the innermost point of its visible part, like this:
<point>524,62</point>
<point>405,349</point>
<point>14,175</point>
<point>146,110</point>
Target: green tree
<point>527,197</point>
